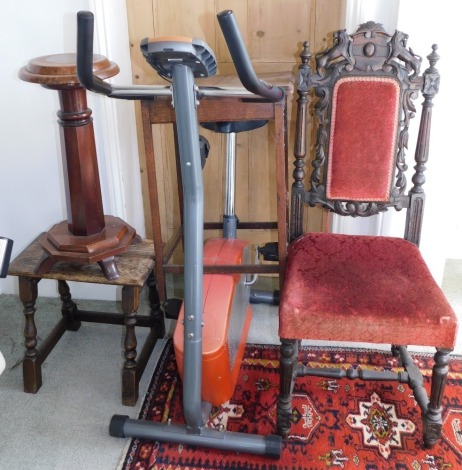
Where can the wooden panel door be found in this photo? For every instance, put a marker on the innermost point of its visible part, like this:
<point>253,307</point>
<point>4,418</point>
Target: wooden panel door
<point>274,31</point>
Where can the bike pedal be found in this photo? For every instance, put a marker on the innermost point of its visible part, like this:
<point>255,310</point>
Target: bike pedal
<point>269,251</point>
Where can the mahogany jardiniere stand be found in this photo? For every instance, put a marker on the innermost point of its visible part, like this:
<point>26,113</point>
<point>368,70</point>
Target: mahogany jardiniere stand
<point>70,250</point>
<point>87,236</point>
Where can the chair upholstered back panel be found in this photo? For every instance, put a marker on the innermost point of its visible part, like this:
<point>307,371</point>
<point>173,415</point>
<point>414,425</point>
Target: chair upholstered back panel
<point>362,144</point>
<point>365,87</point>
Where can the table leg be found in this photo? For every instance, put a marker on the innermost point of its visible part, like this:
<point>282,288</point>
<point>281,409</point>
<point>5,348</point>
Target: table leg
<point>69,308</point>
<point>130,379</point>
<point>32,364</point>
<point>280,123</point>
<point>156,313</point>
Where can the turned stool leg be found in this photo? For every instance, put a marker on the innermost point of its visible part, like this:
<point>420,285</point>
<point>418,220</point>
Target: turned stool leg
<point>287,366</point>
<point>433,419</point>
<point>130,303</point>
<point>32,364</point>
<point>69,308</point>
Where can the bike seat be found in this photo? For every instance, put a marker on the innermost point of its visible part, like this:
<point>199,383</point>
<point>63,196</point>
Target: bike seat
<point>226,127</point>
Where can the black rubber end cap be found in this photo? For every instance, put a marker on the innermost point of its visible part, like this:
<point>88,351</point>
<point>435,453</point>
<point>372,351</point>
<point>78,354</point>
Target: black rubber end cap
<point>116,426</point>
<point>225,13</point>
<point>172,308</point>
<point>269,251</point>
<point>273,446</point>
<point>86,15</point>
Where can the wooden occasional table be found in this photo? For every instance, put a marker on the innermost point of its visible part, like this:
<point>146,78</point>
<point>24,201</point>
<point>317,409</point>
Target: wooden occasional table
<point>135,266</point>
<point>210,109</point>
<point>87,236</point>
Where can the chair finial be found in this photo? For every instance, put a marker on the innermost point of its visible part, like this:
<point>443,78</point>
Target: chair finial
<point>433,57</point>
<point>305,55</point>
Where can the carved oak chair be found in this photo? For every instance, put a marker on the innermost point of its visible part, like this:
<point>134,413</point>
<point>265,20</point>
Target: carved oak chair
<point>354,288</point>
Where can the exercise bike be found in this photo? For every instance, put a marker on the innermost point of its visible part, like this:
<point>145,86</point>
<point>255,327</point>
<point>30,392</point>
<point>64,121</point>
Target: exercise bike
<point>181,60</point>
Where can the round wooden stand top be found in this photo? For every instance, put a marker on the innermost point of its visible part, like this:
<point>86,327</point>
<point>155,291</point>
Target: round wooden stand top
<point>61,69</point>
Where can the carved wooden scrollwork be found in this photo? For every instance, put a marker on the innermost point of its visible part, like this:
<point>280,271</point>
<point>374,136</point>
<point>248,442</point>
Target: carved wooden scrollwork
<point>341,49</point>
<point>399,50</point>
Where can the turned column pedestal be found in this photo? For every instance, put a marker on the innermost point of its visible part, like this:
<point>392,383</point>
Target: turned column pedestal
<point>87,236</point>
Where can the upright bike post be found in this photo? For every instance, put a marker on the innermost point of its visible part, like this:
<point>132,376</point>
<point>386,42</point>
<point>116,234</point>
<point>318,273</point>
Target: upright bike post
<point>184,99</point>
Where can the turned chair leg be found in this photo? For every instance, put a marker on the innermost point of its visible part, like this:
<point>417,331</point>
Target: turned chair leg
<point>287,367</point>
<point>433,419</point>
<point>395,350</point>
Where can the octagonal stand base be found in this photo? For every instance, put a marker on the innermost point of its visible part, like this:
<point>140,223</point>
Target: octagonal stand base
<point>61,245</point>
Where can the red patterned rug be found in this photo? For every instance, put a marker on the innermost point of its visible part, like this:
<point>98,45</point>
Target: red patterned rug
<point>337,423</point>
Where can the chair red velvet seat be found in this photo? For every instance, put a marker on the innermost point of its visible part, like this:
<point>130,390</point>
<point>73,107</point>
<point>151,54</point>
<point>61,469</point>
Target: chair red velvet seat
<point>379,289</point>
<point>358,288</point>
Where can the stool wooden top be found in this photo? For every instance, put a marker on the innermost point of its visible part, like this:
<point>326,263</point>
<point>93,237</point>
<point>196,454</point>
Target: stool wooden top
<point>134,266</point>
<point>61,69</point>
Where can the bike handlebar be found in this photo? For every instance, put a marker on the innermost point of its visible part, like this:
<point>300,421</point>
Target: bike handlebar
<point>241,59</point>
<point>85,26</point>
<point>233,37</point>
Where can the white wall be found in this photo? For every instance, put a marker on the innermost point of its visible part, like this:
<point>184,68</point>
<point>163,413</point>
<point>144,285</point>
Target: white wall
<point>380,11</point>
<point>32,195</point>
